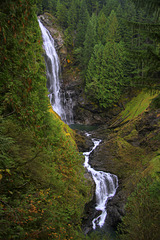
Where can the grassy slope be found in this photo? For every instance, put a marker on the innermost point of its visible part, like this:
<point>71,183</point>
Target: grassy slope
<point>137,105</point>
<point>136,139</point>
<point>136,150</point>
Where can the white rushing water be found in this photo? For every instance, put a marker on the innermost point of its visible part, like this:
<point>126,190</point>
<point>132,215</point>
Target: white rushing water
<point>53,81</point>
<point>106,186</point>
<point>106,183</point>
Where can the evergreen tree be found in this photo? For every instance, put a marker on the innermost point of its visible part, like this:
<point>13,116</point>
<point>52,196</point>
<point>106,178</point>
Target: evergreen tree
<point>142,212</point>
<point>145,48</point>
<point>82,24</point>
<point>72,16</point>
<point>125,15</point>
<point>39,7</point>
<point>52,6</point>
<point>105,72</point>
<point>109,6</point>
<point>45,5</point>
<point>112,28</point>
<point>102,27</point>
<point>61,14</point>
<point>90,40</point>
<point>152,6</point>
<point>72,23</point>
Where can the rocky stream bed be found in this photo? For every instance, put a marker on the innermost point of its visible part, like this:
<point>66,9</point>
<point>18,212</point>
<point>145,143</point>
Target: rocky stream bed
<point>124,151</point>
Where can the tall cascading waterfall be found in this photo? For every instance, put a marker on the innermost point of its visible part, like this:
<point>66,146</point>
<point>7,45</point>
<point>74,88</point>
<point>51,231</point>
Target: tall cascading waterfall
<point>106,183</point>
<point>57,100</point>
<point>106,186</point>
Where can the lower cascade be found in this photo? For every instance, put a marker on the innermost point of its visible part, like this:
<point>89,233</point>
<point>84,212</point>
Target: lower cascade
<point>106,186</point>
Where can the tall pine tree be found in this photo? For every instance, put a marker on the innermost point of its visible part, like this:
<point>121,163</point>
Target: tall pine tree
<point>105,72</point>
<point>90,40</point>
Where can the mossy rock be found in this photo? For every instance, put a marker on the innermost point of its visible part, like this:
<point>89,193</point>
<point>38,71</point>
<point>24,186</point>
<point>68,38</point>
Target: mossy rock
<point>138,105</point>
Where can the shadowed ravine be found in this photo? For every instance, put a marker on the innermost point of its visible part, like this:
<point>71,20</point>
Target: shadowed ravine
<point>105,183</point>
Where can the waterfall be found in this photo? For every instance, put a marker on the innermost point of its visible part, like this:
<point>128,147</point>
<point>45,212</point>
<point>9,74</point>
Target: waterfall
<point>106,186</point>
<point>106,183</point>
<point>53,82</point>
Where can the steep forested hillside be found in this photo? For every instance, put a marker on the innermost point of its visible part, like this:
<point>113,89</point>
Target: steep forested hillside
<point>42,187</point>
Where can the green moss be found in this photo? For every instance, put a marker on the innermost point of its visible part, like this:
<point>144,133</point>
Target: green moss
<point>126,157</point>
<point>137,105</point>
<point>128,152</point>
<point>132,135</point>
<point>156,102</point>
<point>155,166</point>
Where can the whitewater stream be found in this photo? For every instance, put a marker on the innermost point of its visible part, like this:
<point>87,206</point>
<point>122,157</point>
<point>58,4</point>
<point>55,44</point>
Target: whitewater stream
<point>106,183</point>
<point>106,186</point>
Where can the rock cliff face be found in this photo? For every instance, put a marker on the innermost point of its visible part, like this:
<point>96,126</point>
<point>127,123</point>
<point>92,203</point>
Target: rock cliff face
<point>50,23</point>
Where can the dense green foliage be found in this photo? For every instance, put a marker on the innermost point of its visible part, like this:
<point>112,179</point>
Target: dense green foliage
<point>88,24</point>
<point>105,72</point>
<point>42,187</point>
<point>142,219</point>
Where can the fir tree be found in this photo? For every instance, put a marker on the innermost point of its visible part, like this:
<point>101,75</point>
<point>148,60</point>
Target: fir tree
<point>82,24</point>
<point>61,14</point>
<point>146,48</point>
<point>101,27</point>
<point>112,28</point>
<point>105,72</point>
<point>90,40</point>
